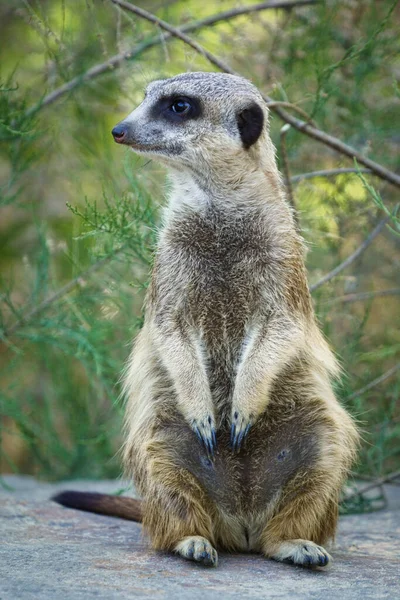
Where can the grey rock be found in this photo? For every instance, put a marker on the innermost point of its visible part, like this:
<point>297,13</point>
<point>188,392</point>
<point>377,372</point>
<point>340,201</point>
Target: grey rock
<point>51,553</point>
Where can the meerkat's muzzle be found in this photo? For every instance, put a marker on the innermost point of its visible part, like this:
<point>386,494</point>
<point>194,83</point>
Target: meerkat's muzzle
<point>120,133</point>
<point>130,135</point>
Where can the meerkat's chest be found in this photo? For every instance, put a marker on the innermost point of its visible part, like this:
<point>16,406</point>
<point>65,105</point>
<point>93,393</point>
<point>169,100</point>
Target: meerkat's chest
<point>215,270</point>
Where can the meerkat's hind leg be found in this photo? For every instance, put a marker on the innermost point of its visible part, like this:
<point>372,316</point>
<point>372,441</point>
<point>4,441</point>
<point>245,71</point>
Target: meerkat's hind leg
<point>304,521</point>
<point>199,549</point>
<point>303,553</point>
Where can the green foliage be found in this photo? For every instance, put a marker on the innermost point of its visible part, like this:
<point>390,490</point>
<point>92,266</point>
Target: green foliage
<point>18,130</point>
<point>377,199</point>
<point>66,407</point>
<point>78,214</point>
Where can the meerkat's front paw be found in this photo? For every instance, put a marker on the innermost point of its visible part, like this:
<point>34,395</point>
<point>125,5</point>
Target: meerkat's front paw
<point>240,428</point>
<point>302,552</point>
<point>205,431</point>
<point>199,549</point>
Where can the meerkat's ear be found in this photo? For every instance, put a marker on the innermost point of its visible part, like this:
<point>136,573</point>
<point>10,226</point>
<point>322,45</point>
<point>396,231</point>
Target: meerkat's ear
<point>250,123</point>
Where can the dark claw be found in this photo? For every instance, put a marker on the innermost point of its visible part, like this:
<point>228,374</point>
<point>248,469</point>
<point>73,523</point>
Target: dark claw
<point>197,432</point>
<point>206,435</point>
<point>238,435</point>
<point>233,436</point>
<point>240,438</point>
<point>214,438</point>
<point>234,439</point>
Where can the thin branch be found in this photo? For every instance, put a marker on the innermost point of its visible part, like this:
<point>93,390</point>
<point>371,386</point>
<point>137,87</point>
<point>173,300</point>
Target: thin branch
<point>109,65</point>
<point>362,476</point>
<point>375,382</point>
<point>326,173</point>
<point>364,296</point>
<point>58,294</point>
<point>377,483</point>
<point>115,61</point>
<point>245,10</point>
<point>275,103</point>
<point>178,33</point>
<point>301,126</point>
<point>336,144</point>
<point>350,259</point>
<point>388,422</point>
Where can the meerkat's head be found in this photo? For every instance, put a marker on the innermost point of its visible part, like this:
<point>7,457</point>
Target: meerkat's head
<point>199,121</point>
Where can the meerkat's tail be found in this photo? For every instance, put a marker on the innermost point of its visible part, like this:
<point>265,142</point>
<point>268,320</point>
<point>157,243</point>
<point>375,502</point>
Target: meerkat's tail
<point>103,504</point>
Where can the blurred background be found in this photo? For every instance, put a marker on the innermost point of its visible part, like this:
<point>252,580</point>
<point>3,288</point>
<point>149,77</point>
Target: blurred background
<point>78,214</point>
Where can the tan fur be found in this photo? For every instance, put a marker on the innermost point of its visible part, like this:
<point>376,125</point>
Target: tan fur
<point>230,337</point>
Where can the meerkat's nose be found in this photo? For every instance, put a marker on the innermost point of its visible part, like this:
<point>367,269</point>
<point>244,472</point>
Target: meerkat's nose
<point>119,133</point>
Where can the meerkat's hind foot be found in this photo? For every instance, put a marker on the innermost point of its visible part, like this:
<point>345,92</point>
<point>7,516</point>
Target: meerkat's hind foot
<point>301,552</point>
<point>199,549</point>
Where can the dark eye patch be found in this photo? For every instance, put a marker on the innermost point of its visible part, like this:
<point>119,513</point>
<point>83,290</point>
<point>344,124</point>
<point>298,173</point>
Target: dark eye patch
<point>165,106</point>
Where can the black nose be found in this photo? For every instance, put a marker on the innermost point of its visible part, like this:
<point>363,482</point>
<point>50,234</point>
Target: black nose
<point>119,133</point>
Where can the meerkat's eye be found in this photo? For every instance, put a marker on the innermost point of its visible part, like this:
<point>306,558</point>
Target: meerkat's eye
<point>181,107</point>
<point>177,109</point>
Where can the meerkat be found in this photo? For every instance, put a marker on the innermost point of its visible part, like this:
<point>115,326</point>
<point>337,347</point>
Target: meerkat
<point>234,437</point>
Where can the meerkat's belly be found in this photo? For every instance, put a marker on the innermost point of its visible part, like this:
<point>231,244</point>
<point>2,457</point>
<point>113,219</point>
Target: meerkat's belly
<point>247,482</point>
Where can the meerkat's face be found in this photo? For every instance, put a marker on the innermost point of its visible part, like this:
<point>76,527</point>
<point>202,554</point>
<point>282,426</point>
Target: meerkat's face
<point>195,117</point>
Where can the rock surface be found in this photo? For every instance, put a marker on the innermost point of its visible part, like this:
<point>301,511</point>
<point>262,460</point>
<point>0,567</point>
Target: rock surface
<point>50,553</point>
